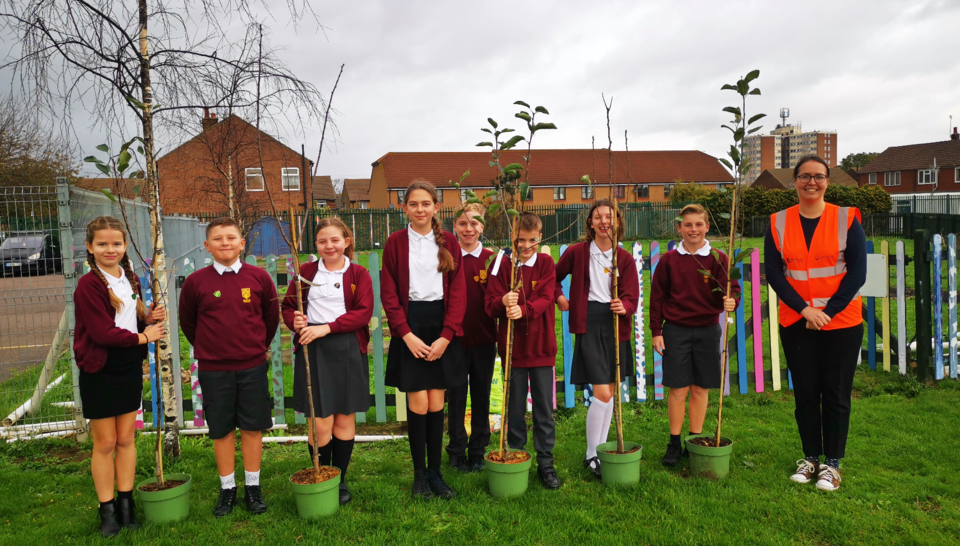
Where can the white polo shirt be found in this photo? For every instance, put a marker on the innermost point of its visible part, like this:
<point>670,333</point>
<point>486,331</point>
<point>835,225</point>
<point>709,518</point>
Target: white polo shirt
<point>601,264</point>
<point>325,302</point>
<point>127,315</point>
<point>426,283</point>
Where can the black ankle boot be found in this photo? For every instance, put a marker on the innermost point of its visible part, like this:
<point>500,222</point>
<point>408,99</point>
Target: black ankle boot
<point>126,509</point>
<point>109,519</point>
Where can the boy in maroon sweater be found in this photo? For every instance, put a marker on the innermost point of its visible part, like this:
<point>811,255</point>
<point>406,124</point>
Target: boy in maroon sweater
<point>479,343</point>
<point>229,312</point>
<point>684,322</point>
<point>534,344</point>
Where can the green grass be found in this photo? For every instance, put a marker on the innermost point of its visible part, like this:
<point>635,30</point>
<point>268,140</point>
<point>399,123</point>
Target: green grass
<point>901,484</point>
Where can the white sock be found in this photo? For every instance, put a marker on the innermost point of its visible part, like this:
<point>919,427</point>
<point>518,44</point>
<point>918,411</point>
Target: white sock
<point>607,419</point>
<point>595,416</point>
<point>227,482</point>
<point>253,478</point>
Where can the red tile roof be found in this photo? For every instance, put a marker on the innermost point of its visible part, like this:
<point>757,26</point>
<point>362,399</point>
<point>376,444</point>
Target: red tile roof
<point>554,167</point>
<point>916,156</point>
<point>783,178</point>
<point>358,189</point>
<point>323,189</point>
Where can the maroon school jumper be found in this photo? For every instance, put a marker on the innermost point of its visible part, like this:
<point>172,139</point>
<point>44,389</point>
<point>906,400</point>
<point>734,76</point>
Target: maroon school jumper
<point>395,286</point>
<point>96,330</point>
<point>683,296</point>
<point>534,337</point>
<point>479,328</point>
<point>575,261</point>
<point>229,319</point>
<point>357,298</point>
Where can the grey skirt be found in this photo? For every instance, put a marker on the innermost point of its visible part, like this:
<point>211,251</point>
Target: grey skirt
<point>339,376</point>
<point>594,360</point>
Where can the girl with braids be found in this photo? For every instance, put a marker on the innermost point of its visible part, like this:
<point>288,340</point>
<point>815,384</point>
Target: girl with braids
<point>424,298</point>
<point>110,344</point>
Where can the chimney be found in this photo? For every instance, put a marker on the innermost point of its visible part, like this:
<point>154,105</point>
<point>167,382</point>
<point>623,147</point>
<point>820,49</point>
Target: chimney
<point>209,119</point>
<point>954,136</point>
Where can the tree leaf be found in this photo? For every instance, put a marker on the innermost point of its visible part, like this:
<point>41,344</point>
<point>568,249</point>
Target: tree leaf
<point>104,148</point>
<point>542,110</point>
<point>491,193</point>
<point>456,185</point>
<point>492,163</point>
<point>718,289</point>
<point>540,126</point>
<point>726,163</point>
<point>92,159</point>
<point>733,110</point>
<point>678,219</point>
<point>103,168</point>
<point>493,208</point>
<point>490,144</point>
<point>735,274</point>
<point>755,92</point>
<point>521,103</point>
<point>136,189</point>
<point>513,167</point>
<point>513,212</point>
<point>738,135</point>
<point>485,130</point>
<point>715,254</point>
<point>464,176</point>
<point>754,130</point>
<point>586,179</point>
<point>743,87</point>
<point>458,213</point>
<point>752,75</point>
<point>481,220</point>
<point>474,200</point>
<point>524,191</point>
<point>724,215</point>
<point>522,115</point>
<point>491,122</point>
<point>109,194</point>
<point>512,142</point>
<point>704,272</point>
<point>755,118</point>
<point>123,161</point>
<point>728,86</point>
<point>140,150</point>
<point>506,130</point>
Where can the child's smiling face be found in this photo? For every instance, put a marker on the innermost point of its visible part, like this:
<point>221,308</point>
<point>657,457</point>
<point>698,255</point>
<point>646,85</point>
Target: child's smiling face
<point>420,208</point>
<point>693,228</point>
<point>527,242</point>
<point>601,223</point>
<point>225,244</point>
<point>331,244</point>
<point>468,229</point>
<point>108,248</point>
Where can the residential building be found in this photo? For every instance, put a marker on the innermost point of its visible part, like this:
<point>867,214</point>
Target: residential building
<point>227,162</point>
<point>355,193</point>
<point>784,146</point>
<point>324,197</point>
<point>780,179</point>
<point>554,174</point>
<point>916,168</point>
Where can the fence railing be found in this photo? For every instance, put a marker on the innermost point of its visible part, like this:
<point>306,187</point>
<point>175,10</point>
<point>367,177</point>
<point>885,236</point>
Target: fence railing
<point>886,224</point>
<point>948,203</point>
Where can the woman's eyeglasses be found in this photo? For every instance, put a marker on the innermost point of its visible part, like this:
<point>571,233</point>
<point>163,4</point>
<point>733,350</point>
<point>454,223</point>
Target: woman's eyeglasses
<point>819,178</point>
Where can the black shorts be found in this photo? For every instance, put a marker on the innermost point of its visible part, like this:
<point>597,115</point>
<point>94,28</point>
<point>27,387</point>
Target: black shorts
<point>236,399</point>
<point>691,356</point>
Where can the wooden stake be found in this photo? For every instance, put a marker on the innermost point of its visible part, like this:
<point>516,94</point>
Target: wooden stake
<point>311,426</point>
<point>723,353</point>
<point>504,413</point>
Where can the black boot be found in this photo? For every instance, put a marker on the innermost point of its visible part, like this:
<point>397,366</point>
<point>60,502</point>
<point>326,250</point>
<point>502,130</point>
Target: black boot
<point>254,497</point>
<point>438,486</point>
<point>109,518</point>
<point>421,489</point>
<point>342,452</point>
<point>225,502</point>
<point>128,519</point>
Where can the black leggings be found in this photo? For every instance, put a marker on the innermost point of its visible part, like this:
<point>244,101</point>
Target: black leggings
<point>822,363</point>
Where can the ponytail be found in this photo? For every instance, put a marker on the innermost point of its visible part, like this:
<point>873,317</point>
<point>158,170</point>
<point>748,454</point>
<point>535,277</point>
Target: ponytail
<point>135,285</point>
<point>447,264</point>
<point>114,300</point>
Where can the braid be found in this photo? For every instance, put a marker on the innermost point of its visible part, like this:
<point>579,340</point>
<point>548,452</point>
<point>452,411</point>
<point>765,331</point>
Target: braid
<point>134,284</point>
<point>114,300</point>
<point>443,255</point>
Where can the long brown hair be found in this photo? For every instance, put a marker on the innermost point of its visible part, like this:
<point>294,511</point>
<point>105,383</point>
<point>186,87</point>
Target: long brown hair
<point>590,232</point>
<point>344,231</point>
<point>447,264</point>
<point>109,222</point>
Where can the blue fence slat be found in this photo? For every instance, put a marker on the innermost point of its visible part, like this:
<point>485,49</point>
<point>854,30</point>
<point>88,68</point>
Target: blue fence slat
<point>742,333</point>
<point>938,306</point>
<point>952,300</point>
<point>569,391</point>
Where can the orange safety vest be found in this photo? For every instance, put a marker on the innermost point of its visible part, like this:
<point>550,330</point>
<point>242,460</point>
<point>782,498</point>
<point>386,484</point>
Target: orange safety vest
<point>816,273</point>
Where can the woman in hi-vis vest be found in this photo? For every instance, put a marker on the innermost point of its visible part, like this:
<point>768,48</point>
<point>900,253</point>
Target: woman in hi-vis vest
<point>816,261</point>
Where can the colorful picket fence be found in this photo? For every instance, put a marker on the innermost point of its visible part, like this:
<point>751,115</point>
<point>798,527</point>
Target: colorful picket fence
<point>760,366</point>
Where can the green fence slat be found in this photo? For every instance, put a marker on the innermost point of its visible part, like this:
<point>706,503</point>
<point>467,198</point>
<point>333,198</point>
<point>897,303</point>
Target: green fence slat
<point>276,356</point>
<point>380,395</point>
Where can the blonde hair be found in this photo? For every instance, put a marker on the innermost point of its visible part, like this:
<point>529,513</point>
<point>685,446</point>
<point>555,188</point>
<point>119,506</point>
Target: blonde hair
<point>694,208</point>
<point>469,207</point>
<point>109,222</point>
<point>447,265</point>
<point>344,231</point>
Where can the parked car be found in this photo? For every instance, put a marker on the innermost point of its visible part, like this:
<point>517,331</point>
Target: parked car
<point>25,253</point>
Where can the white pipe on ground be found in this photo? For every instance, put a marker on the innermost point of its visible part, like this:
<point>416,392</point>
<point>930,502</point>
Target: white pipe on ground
<point>360,439</point>
<point>28,405</point>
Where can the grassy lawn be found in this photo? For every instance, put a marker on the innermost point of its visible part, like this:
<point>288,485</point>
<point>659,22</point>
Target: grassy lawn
<point>901,486</point>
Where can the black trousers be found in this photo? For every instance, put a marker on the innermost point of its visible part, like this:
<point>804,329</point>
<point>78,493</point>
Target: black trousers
<point>542,387</point>
<point>480,361</point>
<point>822,363</point>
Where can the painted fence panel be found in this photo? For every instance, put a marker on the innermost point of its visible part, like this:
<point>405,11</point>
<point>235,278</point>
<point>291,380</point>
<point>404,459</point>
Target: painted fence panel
<point>569,398</point>
<point>774,312</point>
<point>742,332</point>
<point>885,312</point>
<point>952,300</point>
<point>937,306</point>
<point>298,417</point>
<point>276,356</point>
<point>871,324</point>
<point>757,315</point>
<point>657,357</point>
<point>638,333</point>
<point>196,393</point>
<point>376,321</point>
<point>901,310</point>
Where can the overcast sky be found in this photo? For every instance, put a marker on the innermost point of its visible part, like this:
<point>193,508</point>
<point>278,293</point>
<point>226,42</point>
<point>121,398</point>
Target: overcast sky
<point>424,75</point>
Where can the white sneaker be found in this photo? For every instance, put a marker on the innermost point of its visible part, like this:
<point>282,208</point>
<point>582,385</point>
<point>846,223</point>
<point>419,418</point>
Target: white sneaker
<point>805,471</point>
<point>829,479</point>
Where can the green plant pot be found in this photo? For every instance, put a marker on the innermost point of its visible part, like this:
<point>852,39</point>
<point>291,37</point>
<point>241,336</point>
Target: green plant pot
<point>507,480</point>
<point>317,499</point>
<point>709,462</point>
<point>169,505</point>
<point>619,468</point>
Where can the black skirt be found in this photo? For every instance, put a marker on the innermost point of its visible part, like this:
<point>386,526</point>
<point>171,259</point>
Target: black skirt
<point>339,377</point>
<point>594,361</point>
<point>411,374</point>
<point>117,388</point>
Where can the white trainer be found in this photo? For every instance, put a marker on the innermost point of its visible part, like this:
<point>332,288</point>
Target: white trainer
<point>828,479</point>
<point>806,470</point>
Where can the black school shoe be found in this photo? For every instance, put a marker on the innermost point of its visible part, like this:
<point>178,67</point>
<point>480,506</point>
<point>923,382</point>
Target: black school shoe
<point>127,517</point>
<point>228,498</point>
<point>672,457</point>
<point>593,463</point>
<point>459,463</point>
<point>344,493</point>
<point>438,486</point>
<point>548,477</point>
<point>254,497</point>
<point>109,519</point>
<point>421,489</point>
<point>476,463</point>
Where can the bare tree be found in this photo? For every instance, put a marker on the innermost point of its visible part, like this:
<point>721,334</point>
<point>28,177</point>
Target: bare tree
<point>159,63</point>
<point>31,154</point>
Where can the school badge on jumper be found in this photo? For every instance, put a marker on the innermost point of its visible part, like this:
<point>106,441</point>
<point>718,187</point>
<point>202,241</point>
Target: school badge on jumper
<point>216,294</point>
<point>245,292</point>
<point>336,285</point>
<point>353,289</point>
<point>533,285</point>
<point>483,276</point>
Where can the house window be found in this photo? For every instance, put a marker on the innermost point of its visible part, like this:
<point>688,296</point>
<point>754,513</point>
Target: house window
<point>320,204</point>
<point>254,179</point>
<point>956,175</point>
<point>559,193</point>
<point>290,179</point>
<point>891,179</point>
<point>926,177</point>
<point>363,204</point>
<point>400,195</point>
<point>873,179</point>
<point>586,192</point>
<point>619,191</point>
<point>667,189</point>
<point>642,190</point>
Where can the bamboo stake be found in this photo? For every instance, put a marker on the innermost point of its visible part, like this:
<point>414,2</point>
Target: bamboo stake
<point>723,353</point>
<point>504,413</point>
<point>618,408</point>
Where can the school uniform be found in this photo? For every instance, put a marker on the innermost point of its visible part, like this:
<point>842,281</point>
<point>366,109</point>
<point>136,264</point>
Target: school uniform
<point>230,315</point>
<point>479,344</point>
<point>107,346</point>
<point>685,310</point>
<point>533,348</point>
<point>591,284</point>
<point>339,372</point>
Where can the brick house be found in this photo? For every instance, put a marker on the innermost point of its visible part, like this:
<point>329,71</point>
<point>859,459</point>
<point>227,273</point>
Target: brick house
<point>196,176</point>
<point>324,197</point>
<point>554,174</point>
<point>779,179</point>
<point>355,193</point>
<point>910,169</point>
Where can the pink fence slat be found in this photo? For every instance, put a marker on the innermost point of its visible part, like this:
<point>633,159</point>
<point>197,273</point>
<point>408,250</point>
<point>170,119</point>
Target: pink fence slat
<point>757,318</point>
